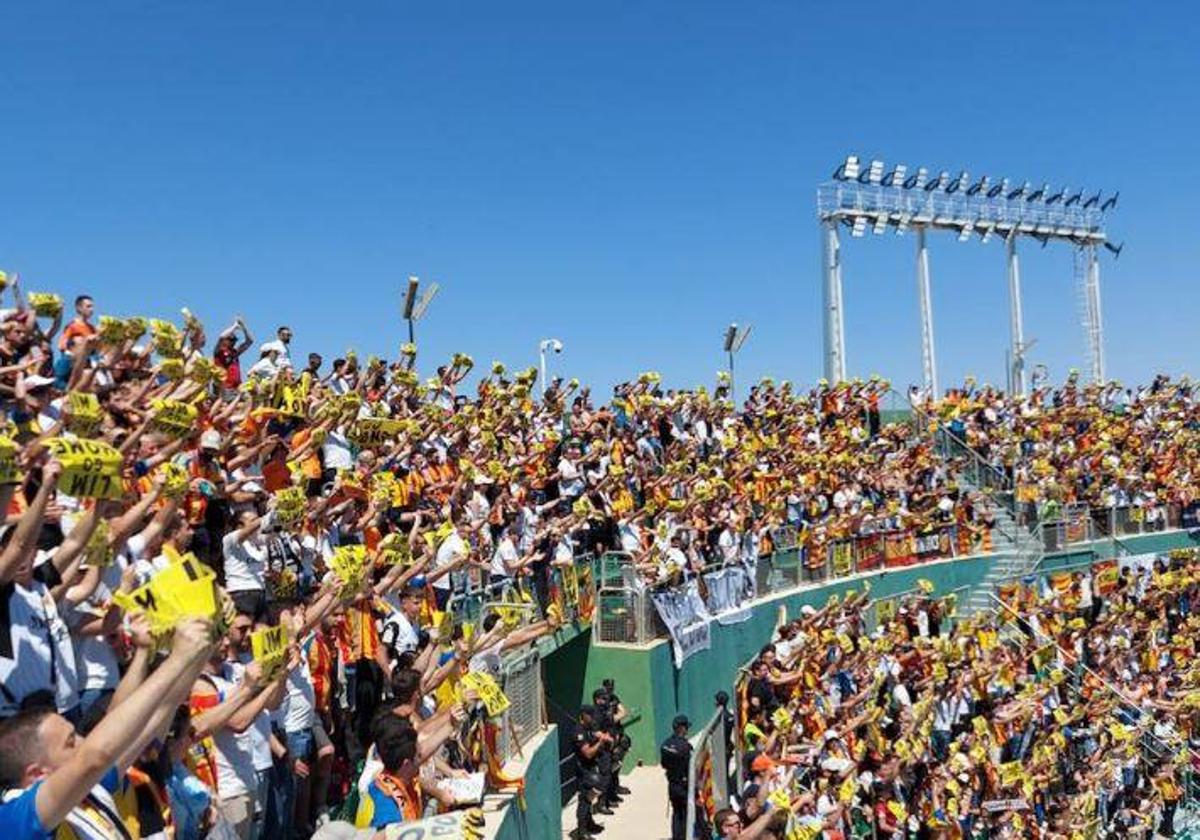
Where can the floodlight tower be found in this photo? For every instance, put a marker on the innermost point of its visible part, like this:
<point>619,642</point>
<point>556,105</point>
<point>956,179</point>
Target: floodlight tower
<point>859,197</point>
<point>734,339</point>
<point>413,309</point>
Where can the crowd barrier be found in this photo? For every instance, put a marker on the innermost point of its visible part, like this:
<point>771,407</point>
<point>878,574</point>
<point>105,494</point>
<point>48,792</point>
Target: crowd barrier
<point>1081,523</point>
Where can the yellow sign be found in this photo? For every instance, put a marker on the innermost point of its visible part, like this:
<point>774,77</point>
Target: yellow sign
<point>1011,773</point>
<point>177,482</point>
<point>485,686</point>
<point>174,417</point>
<point>9,474</point>
<point>289,505</point>
<point>370,432</point>
<point>348,563</point>
<point>167,339</point>
<point>83,413</point>
<point>268,646</point>
<point>91,468</point>
<point>184,589</point>
<point>45,304</point>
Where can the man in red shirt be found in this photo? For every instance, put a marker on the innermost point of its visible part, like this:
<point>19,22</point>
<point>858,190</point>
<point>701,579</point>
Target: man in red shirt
<point>81,324</point>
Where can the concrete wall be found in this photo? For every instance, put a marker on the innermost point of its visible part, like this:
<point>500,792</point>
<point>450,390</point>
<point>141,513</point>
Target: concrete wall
<point>542,814</point>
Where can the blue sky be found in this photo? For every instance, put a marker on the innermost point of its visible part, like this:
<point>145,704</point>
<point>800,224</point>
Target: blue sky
<point>628,177</point>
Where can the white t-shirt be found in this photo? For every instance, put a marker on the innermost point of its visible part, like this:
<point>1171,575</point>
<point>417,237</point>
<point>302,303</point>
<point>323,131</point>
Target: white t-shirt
<point>335,451</point>
<point>257,735</point>
<point>570,482</point>
<point>245,564</point>
<point>453,548</point>
<point>398,626</point>
<point>299,700</point>
<point>234,754</point>
<point>504,556</point>
<point>36,653</point>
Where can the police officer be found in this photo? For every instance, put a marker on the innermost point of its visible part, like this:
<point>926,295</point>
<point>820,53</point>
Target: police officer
<point>588,744</point>
<point>675,756</point>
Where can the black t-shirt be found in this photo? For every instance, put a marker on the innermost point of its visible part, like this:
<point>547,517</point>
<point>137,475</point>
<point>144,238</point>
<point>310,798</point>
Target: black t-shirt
<point>584,737</point>
<point>764,691</point>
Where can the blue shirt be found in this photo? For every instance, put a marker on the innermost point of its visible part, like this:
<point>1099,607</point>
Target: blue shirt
<point>19,818</point>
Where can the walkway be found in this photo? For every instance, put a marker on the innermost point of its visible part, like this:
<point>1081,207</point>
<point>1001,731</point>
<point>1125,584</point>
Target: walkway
<point>643,814</point>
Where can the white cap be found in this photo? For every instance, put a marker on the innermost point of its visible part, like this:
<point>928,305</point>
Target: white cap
<point>210,439</point>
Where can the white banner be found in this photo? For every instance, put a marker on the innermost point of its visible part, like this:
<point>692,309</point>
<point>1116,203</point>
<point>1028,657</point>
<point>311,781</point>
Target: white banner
<point>687,619</point>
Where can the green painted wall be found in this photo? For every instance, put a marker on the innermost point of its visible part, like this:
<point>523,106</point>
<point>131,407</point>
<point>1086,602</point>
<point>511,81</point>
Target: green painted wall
<point>542,816</point>
<point>650,686</point>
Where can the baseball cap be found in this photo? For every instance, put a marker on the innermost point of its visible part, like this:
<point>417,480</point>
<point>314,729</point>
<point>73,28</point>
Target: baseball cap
<point>210,439</point>
<point>762,763</point>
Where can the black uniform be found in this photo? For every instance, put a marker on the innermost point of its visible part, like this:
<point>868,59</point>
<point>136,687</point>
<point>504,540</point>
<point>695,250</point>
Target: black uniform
<point>590,783</point>
<point>675,755</point>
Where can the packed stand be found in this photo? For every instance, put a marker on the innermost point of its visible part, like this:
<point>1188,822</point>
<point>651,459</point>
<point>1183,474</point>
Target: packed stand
<point>1070,712</point>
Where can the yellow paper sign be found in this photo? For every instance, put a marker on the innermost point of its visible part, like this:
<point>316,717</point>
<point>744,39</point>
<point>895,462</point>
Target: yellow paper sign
<point>269,647</point>
<point>91,468</point>
<point>9,474</point>
<point>348,563</point>
<point>174,417</point>
<point>489,692</point>
<point>83,413</point>
<point>1010,773</point>
<point>45,304</point>
<point>370,432</point>
<point>289,505</point>
<point>176,485</point>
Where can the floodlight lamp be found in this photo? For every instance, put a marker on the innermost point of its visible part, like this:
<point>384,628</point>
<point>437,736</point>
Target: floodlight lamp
<point>959,183</point>
<point>1110,203</point>
<point>999,189</point>
<point>1018,192</point>
<point>937,183</point>
<point>1057,197</point>
<point>902,225</point>
<point>987,235</point>
<point>881,222</point>
<point>730,335</point>
<point>875,173</point>
<point>965,232</point>
<point>860,226</point>
<point>1093,201</point>
<point>895,178</point>
<point>1116,249</point>
<point>978,187</point>
<point>423,303</point>
<point>1037,195</point>
<point>849,169</point>
<point>740,338</point>
<point>1075,199</point>
<point>410,297</point>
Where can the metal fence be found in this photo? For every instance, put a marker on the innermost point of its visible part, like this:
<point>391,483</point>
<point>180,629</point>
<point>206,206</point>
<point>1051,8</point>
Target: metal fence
<point>521,681</point>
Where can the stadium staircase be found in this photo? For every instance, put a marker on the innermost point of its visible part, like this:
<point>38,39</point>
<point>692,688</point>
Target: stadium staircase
<point>1017,549</point>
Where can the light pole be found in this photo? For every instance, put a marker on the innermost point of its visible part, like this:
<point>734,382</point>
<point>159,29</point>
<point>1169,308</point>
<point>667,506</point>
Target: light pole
<point>734,339</point>
<point>544,345</point>
<point>414,309</point>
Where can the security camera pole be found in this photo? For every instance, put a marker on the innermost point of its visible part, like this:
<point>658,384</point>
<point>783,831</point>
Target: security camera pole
<point>544,345</point>
<point>734,339</point>
<point>414,309</point>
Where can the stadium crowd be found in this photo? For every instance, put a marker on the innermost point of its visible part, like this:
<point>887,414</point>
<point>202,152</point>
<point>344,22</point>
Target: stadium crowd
<point>1100,446</point>
<point>1069,712</point>
<point>341,511</point>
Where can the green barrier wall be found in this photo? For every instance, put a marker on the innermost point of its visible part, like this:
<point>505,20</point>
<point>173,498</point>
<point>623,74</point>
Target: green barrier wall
<point>649,684</point>
<point>542,815</point>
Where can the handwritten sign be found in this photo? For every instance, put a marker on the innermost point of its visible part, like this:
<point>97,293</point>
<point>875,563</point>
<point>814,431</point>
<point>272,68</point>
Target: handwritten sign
<point>373,431</point>
<point>91,468</point>
<point>289,505</point>
<point>269,647</point>
<point>174,417</point>
<point>348,563</point>
<point>83,413</point>
<point>489,692</point>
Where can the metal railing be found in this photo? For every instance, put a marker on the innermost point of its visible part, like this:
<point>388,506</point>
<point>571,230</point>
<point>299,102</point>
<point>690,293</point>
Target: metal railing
<point>521,681</point>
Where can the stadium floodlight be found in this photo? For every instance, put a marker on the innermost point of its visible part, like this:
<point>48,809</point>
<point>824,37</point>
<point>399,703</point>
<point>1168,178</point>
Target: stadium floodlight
<point>1115,249</point>
<point>734,339</point>
<point>410,297</point>
<point>1018,192</point>
<point>868,196</point>
<point>848,171</point>
<point>960,183</point>
<point>423,303</point>
<point>895,178</point>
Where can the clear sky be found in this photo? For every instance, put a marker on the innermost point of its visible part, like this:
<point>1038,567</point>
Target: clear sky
<point>626,176</point>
